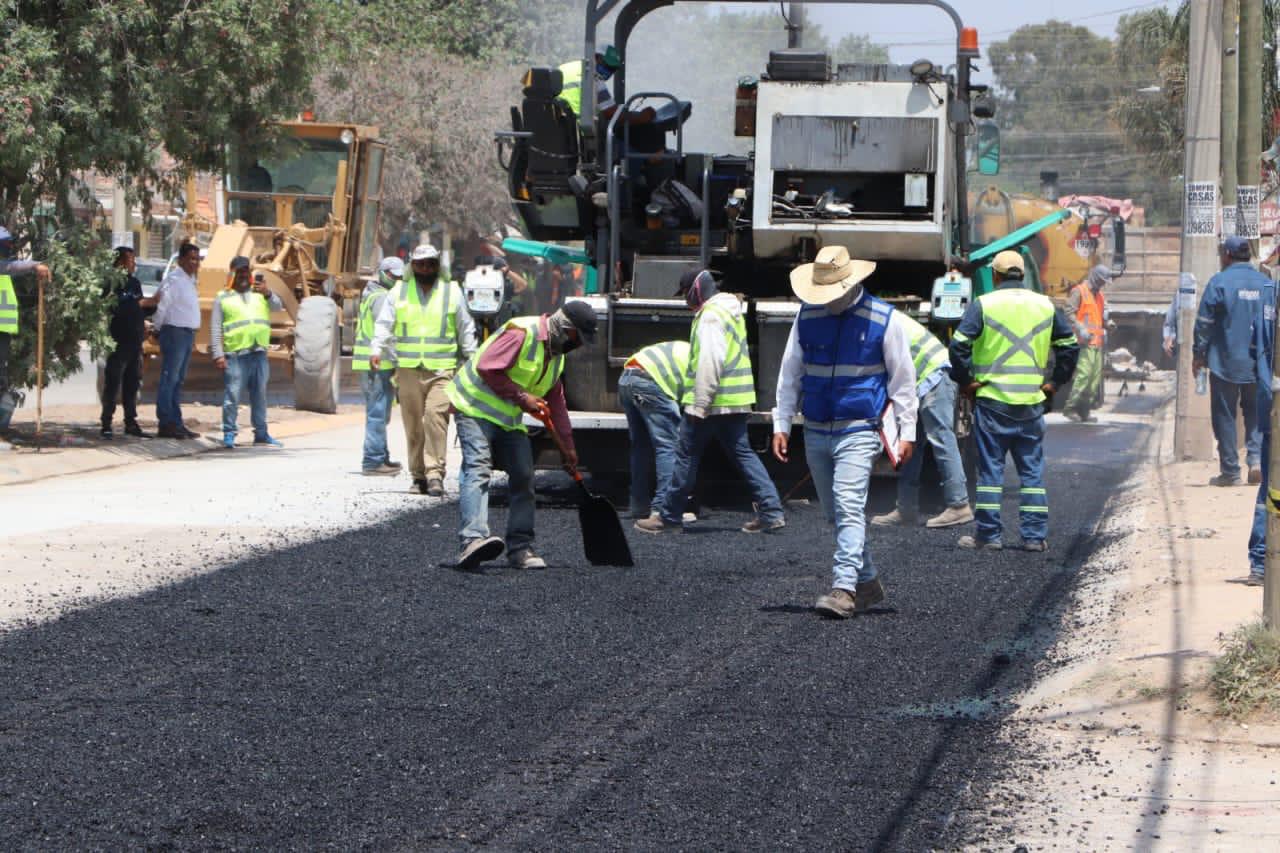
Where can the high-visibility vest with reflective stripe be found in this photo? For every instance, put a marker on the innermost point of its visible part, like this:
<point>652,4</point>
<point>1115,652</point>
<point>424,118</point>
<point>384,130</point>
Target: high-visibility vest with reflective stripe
<point>737,385</point>
<point>426,335</point>
<point>667,364</point>
<point>927,352</point>
<point>246,323</point>
<point>571,88</point>
<point>845,386</point>
<point>363,348</point>
<point>8,307</point>
<point>1012,353</point>
<point>532,370</point>
<point>1090,313</point>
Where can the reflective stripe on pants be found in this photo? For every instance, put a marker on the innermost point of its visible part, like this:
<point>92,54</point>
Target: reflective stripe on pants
<point>996,435</point>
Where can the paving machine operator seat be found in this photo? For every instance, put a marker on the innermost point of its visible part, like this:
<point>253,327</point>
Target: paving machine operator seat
<point>553,146</point>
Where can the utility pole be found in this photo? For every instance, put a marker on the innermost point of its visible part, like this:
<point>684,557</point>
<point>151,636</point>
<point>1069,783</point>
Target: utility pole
<point>1249,145</point>
<point>1191,431</point>
<point>795,25</point>
<point>1230,109</point>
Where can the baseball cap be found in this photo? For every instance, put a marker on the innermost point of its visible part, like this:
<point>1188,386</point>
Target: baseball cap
<point>1237,248</point>
<point>583,318</point>
<point>425,252</point>
<point>392,266</point>
<point>239,262</point>
<point>1008,261</point>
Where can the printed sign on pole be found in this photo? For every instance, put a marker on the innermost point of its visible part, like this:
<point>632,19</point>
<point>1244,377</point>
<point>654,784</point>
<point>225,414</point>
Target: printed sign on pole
<point>1229,215</point>
<point>1200,217</point>
<point>1249,200</point>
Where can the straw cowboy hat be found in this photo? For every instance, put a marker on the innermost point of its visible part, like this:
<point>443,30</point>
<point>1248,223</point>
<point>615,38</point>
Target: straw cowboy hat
<point>832,274</point>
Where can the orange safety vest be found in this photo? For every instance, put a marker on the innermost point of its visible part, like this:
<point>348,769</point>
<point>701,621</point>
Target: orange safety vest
<point>1089,314</point>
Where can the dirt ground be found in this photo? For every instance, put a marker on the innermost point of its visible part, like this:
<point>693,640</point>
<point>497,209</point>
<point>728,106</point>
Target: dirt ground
<point>1120,746</point>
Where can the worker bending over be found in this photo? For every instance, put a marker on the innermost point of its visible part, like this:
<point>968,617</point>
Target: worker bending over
<point>999,356</point>
<point>649,391</point>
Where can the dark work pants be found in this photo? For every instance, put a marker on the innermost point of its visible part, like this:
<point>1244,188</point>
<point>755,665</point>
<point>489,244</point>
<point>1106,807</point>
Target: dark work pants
<point>121,379</point>
<point>5,340</point>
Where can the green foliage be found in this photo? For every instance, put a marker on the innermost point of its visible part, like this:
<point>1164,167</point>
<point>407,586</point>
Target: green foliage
<point>1246,678</point>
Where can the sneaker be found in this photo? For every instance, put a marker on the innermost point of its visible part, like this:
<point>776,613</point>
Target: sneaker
<point>1254,580</point>
<point>837,604</point>
<point>868,594</point>
<point>652,524</point>
<point>106,431</point>
<point>391,463</point>
<point>688,518</point>
<point>526,559</point>
<point>1224,480</point>
<point>479,551</point>
<point>136,431</point>
<point>974,544</point>
<point>267,442</point>
<point>435,487</point>
<point>383,470</point>
<point>759,525</point>
<point>1039,546</point>
<point>229,441</point>
<point>892,519</point>
<point>951,516</point>
<point>1255,476</point>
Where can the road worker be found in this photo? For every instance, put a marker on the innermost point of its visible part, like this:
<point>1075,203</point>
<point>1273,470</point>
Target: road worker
<point>937,394</point>
<point>1264,342</point>
<point>719,393</point>
<point>606,65</point>
<point>426,323</point>
<point>650,390</point>
<point>1087,308</point>
<point>239,335</point>
<point>9,269</point>
<point>847,367</point>
<point>516,371</point>
<point>377,386</point>
<point>999,356</point>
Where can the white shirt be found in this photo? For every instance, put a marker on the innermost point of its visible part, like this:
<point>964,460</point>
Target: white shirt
<point>179,301</point>
<point>384,323</point>
<point>897,362</point>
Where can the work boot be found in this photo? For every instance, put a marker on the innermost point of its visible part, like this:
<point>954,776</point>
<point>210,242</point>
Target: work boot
<point>972,544</point>
<point>1224,480</point>
<point>106,431</point>
<point>186,433</point>
<point>893,519</point>
<point>435,487</point>
<point>526,559</point>
<point>759,525</point>
<point>868,594</point>
<point>1254,580</point>
<point>391,463</point>
<point>652,524</point>
<point>479,551</point>
<point>951,516</point>
<point>132,428</point>
<point>837,604</point>
<point>1255,476</point>
<point>419,485</point>
<point>382,470</point>
<point>1038,545</point>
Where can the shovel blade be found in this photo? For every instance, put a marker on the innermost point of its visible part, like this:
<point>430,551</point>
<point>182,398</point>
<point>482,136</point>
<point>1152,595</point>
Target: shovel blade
<point>603,539</point>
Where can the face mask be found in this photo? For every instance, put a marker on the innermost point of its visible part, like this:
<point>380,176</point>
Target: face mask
<point>558,341</point>
<point>843,303</point>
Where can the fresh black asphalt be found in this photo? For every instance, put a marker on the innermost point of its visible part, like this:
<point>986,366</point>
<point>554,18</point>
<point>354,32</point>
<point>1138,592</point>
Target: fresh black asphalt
<point>354,693</point>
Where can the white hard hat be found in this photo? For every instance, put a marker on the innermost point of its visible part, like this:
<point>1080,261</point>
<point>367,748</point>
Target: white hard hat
<point>392,266</point>
<point>426,252</point>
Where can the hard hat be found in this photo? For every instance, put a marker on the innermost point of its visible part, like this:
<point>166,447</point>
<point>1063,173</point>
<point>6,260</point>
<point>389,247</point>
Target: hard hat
<point>392,266</point>
<point>425,252</point>
<point>1008,261</point>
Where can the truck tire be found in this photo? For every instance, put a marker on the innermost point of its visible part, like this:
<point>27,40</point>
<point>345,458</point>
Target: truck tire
<point>317,345</point>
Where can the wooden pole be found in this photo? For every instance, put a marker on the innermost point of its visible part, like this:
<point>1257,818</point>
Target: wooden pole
<point>39,359</point>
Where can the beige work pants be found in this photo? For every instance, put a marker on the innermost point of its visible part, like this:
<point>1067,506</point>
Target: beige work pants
<point>425,410</point>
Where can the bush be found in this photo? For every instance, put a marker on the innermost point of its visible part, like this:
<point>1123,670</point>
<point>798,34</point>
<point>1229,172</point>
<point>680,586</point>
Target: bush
<point>1247,676</point>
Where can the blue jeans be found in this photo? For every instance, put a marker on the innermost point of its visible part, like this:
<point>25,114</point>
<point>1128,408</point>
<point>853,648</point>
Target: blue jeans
<point>1258,535</point>
<point>1224,398</point>
<point>379,394</point>
<point>246,371</point>
<point>996,435</point>
<point>483,444</point>
<point>937,418</point>
<point>175,347</point>
<point>653,421</point>
<point>731,432</point>
<point>841,469</point>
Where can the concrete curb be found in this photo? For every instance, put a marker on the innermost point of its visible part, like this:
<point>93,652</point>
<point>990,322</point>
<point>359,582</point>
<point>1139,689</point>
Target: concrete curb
<point>27,465</point>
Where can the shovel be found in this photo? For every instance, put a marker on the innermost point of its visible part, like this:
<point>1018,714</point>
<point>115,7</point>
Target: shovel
<point>603,540</point>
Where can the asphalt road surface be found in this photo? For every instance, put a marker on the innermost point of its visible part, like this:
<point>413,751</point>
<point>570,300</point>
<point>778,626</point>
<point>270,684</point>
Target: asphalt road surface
<point>354,692</point>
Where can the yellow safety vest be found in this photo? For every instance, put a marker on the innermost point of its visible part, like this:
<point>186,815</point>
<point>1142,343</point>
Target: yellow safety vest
<point>8,307</point>
<point>363,348</point>
<point>667,364</point>
<point>245,323</point>
<point>571,90</point>
<point>532,370</point>
<point>1012,353</point>
<point>737,385</point>
<point>927,352</point>
<point>426,335</point>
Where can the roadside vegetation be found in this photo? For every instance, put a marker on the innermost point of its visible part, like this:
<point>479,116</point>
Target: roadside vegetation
<point>1246,679</point>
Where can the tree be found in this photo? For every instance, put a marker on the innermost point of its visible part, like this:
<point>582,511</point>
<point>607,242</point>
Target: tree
<point>859,48</point>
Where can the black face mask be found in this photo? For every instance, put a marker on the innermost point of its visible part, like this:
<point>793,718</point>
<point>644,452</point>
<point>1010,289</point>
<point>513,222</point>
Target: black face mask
<point>427,278</point>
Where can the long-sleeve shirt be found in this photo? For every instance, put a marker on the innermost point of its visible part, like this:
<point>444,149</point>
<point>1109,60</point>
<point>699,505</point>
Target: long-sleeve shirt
<point>384,323</point>
<point>179,301</point>
<point>1066,353</point>
<point>1074,300</point>
<point>215,322</point>
<point>1229,310</point>
<point>899,368</point>
<point>497,360</point>
<point>713,347</point>
<point>1170,330</point>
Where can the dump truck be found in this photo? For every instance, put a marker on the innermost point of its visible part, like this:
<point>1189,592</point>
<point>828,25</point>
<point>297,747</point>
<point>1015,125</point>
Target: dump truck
<point>873,157</point>
<point>307,217</point>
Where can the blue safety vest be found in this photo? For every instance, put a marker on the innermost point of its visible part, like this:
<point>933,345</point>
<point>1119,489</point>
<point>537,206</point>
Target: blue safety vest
<point>845,386</point>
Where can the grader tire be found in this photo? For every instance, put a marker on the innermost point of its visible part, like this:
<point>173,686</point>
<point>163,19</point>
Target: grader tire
<point>317,345</point>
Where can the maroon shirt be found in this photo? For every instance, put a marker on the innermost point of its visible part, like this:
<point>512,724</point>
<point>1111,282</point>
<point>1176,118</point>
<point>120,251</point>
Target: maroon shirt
<point>497,360</point>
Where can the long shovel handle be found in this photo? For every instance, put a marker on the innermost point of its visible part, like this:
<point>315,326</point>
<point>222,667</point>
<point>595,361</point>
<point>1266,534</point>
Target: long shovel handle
<point>544,415</point>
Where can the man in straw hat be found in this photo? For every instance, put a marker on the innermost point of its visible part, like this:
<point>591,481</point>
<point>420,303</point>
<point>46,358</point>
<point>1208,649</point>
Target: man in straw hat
<point>999,356</point>
<point>847,367</point>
